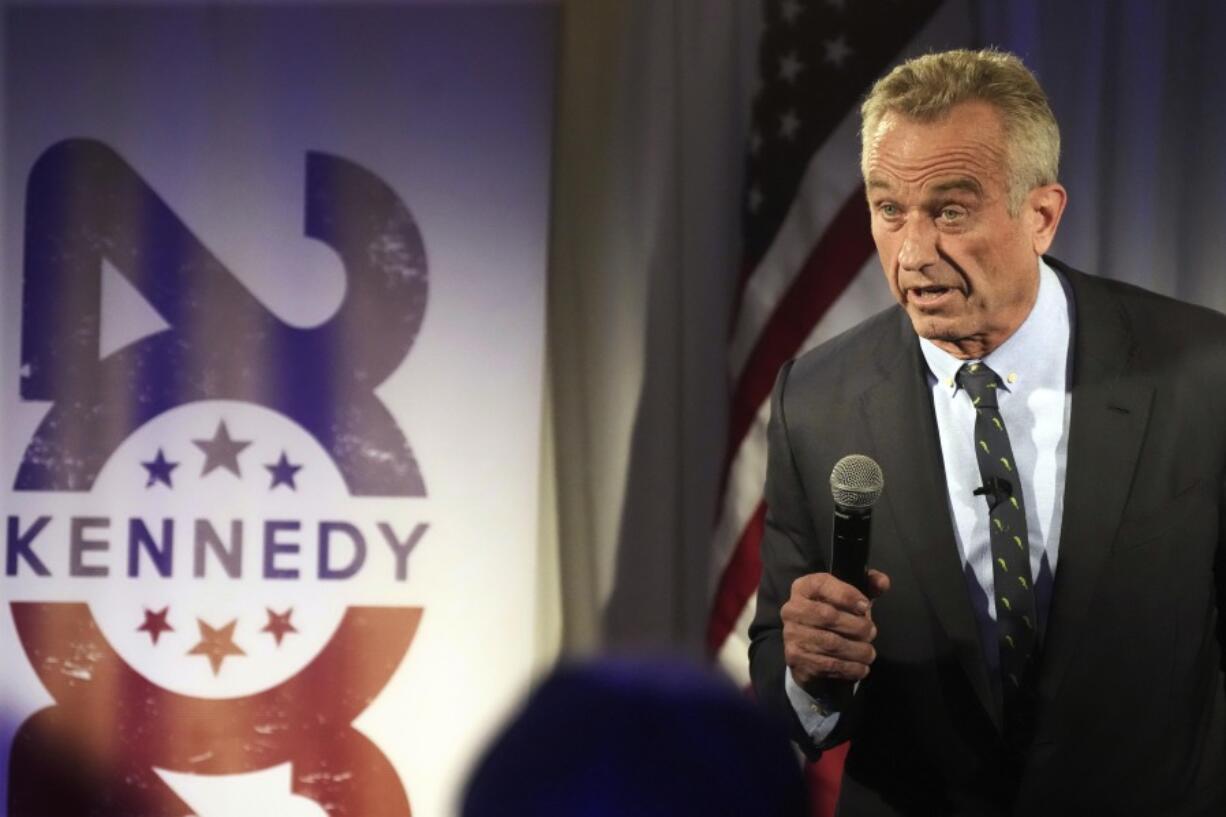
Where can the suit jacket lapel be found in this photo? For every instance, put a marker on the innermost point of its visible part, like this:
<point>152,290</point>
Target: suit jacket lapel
<point>917,501</point>
<point>1110,412</point>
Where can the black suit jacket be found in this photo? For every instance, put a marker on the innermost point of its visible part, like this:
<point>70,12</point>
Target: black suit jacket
<point>1131,716</point>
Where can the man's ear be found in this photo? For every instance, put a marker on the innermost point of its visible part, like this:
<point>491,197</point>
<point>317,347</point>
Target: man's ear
<point>1043,207</point>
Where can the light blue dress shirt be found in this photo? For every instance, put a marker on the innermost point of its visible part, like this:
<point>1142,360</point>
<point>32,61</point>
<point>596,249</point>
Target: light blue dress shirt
<point>1035,402</point>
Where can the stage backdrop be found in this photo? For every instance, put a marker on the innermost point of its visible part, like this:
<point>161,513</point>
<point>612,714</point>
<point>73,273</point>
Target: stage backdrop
<point>272,307</point>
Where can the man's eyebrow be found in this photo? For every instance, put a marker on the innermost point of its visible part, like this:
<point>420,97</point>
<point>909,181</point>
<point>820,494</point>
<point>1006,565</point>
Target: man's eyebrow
<point>964,183</point>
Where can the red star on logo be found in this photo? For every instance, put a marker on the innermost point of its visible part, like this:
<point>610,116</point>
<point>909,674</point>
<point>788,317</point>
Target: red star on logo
<point>155,623</point>
<point>216,643</point>
<point>279,624</point>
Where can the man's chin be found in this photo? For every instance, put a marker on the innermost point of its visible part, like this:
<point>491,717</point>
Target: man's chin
<point>951,336</point>
<point>934,327</point>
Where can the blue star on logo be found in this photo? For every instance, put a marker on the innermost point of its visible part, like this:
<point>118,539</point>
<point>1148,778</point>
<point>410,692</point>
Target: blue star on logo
<point>283,473</point>
<point>159,469</point>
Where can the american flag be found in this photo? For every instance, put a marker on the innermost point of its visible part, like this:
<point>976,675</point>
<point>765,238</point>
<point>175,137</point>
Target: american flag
<point>809,270</point>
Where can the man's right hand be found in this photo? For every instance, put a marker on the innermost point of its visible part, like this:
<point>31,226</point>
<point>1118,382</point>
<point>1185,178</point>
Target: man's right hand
<point>828,629</point>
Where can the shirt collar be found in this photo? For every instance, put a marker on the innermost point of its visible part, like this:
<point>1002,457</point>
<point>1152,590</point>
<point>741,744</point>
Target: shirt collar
<point>1033,357</point>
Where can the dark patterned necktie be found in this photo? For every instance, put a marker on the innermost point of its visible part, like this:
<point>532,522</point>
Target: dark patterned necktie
<point>1015,605</point>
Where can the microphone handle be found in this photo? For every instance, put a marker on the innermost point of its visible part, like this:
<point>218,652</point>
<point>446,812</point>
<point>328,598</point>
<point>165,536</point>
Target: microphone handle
<point>849,546</point>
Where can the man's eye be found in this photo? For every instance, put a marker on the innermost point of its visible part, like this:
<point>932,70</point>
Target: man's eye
<point>951,214</point>
<point>888,210</point>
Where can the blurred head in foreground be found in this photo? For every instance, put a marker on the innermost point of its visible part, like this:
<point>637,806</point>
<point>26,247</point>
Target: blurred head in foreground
<point>635,738</point>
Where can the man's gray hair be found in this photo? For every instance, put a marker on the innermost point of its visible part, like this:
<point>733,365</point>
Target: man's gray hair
<point>926,88</point>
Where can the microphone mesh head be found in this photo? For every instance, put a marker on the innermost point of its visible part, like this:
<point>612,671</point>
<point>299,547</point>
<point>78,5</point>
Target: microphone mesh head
<point>856,481</point>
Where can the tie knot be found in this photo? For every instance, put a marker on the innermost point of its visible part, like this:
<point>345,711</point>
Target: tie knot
<point>980,382</point>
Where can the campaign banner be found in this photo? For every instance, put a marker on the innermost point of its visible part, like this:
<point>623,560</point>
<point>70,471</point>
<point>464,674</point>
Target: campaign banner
<point>271,366</point>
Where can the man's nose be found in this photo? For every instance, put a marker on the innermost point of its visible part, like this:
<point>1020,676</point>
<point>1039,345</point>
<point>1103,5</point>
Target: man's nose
<point>919,244</point>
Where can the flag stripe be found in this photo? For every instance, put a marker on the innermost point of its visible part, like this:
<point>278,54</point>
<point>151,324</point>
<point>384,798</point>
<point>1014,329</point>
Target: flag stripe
<point>742,492</point>
<point>825,777</point>
<point>834,262</point>
<point>732,654</point>
<point>830,177</point>
<point>739,581</point>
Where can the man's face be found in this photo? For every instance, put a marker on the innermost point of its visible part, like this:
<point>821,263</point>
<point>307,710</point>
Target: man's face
<point>965,269</point>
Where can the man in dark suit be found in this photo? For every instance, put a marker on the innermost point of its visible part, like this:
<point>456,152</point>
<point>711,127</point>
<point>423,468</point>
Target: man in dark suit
<point>1044,635</point>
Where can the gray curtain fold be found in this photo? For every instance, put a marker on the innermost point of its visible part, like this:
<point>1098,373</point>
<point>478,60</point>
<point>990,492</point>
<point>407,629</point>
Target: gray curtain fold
<point>653,109</point>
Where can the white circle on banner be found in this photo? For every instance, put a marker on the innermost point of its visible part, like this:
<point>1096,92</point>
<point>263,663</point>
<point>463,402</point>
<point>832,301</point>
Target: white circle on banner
<point>204,533</point>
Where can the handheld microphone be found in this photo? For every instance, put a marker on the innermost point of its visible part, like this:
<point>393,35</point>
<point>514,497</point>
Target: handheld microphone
<point>855,484</point>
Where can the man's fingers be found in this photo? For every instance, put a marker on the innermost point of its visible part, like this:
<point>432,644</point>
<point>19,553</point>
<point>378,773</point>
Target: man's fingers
<point>827,628</point>
<point>824,642</point>
<point>826,588</point>
<point>820,615</point>
<point>878,583</point>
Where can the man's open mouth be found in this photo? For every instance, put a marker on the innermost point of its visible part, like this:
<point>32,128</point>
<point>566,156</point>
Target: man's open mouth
<point>927,296</point>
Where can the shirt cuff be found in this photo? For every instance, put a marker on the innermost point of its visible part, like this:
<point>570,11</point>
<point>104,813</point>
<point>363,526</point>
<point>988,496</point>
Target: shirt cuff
<point>816,715</point>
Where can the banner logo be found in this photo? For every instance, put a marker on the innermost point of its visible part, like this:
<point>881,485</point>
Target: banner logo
<point>205,514</point>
